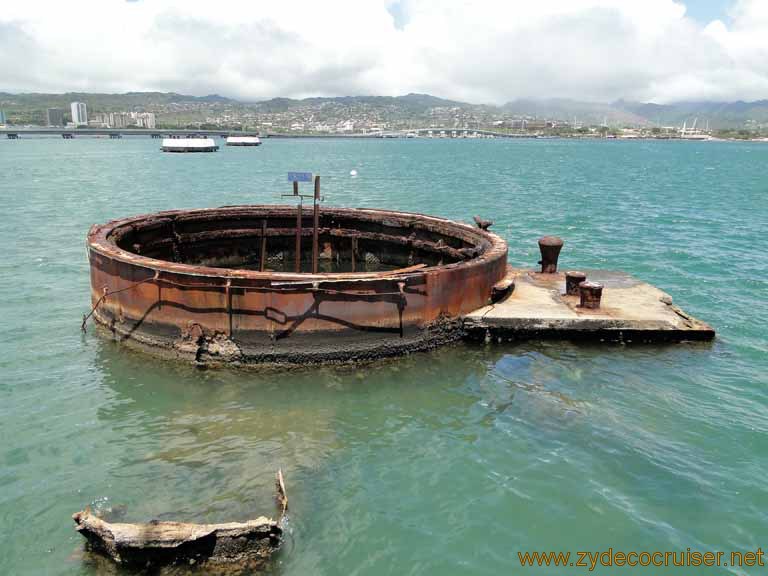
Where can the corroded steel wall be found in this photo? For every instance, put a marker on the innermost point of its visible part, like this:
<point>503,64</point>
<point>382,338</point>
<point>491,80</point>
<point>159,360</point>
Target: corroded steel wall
<point>245,316</point>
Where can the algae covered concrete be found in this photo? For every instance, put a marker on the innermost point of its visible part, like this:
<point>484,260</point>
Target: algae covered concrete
<point>631,311</point>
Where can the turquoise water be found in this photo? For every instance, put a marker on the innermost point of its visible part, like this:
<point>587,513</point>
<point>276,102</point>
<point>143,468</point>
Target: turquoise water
<point>443,463</point>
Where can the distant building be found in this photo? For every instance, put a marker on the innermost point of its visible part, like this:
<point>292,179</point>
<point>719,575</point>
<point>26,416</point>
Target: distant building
<point>120,119</point>
<point>3,119</point>
<point>79,114</point>
<point>145,120</point>
<point>99,120</point>
<point>55,117</point>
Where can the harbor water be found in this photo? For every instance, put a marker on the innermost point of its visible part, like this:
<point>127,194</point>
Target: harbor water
<point>444,463</point>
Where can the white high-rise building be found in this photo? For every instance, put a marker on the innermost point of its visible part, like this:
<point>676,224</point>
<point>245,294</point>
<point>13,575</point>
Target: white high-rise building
<point>143,119</point>
<point>149,120</point>
<point>119,119</point>
<point>79,114</point>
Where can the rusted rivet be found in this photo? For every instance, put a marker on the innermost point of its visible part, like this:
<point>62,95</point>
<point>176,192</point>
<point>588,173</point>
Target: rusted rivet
<point>572,280</point>
<point>550,250</point>
<point>590,293</point>
<point>483,224</point>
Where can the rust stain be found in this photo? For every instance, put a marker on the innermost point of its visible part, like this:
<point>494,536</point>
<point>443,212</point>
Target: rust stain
<point>389,278</point>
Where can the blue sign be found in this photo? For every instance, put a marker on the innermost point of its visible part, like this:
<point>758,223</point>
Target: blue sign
<point>299,176</point>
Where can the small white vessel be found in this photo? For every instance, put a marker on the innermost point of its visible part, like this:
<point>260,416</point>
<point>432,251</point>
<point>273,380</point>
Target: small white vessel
<point>189,145</point>
<point>692,134</point>
<point>243,141</point>
<point>696,137</point>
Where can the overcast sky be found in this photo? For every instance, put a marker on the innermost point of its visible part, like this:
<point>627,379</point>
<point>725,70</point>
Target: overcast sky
<point>475,50</point>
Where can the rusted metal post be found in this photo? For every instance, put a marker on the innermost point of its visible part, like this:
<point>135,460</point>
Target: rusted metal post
<point>550,247</point>
<point>298,235</point>
<point>228,293</point>
<point>315,226</point>
<point>263,259</point>
<point>591,293</point>
<point>483,224</point>
<point>572,280</point>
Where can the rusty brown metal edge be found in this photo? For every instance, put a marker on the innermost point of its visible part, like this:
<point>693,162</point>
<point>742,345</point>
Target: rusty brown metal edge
<point>98,240</point>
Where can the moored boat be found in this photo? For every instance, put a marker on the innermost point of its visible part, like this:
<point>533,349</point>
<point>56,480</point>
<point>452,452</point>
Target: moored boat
<point>243,141</point>
<point>189,145</point>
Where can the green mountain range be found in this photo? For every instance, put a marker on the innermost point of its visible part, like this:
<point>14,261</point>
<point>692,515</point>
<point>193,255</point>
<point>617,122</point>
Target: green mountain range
<point>31,107</point>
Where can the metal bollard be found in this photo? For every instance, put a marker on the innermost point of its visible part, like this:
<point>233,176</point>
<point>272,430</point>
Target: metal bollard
<point>550,250</point>
<point>572,280</point>
<point>591,293</point>
<point>483,224</point>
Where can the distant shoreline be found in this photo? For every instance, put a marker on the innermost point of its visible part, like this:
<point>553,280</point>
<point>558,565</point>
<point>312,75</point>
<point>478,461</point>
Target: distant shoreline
<point>109,134</point>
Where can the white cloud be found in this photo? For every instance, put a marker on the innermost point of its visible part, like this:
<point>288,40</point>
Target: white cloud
<point>477,50</point>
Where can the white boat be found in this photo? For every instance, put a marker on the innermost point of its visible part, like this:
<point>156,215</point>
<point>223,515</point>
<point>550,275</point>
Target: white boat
<point>685,134</point>
<point>189,145</point>
<point>243,141</point>
<point>696,137</point>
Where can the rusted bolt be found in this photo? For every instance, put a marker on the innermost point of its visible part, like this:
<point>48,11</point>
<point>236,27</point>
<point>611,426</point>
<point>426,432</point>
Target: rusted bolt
<point>590,293</point>
<point>483,224</point>
<point>572,280</point>
<point>550,250</point>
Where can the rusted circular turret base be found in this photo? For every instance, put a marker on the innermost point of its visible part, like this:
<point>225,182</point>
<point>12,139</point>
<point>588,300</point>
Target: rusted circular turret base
<point>217,286</point>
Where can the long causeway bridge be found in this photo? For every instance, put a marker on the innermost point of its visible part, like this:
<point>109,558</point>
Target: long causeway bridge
<point>116,133</point>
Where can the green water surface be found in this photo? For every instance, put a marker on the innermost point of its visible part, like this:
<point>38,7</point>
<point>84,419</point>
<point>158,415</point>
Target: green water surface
<point>442,463</point>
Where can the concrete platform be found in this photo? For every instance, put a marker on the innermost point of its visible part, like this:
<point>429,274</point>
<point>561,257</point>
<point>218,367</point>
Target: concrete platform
<point>631,311</point>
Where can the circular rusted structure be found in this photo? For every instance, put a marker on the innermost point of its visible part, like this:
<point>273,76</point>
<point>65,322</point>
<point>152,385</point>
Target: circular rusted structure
<point>219,285</point>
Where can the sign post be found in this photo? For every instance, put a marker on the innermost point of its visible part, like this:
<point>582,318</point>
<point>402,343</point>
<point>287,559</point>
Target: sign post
<point>297,177</point>
<point>316,226</point>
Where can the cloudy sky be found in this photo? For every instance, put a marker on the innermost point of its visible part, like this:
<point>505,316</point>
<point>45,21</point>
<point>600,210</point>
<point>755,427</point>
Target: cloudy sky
<point>475,50</point>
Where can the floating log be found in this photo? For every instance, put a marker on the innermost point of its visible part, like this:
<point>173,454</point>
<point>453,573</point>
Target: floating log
<point>162,543</point>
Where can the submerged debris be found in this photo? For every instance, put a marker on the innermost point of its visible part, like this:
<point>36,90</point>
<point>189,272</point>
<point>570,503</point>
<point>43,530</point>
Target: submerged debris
<point>162,543</point>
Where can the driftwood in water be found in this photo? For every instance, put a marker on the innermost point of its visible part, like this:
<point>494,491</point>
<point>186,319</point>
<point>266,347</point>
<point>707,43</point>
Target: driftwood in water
<point>159,543</point>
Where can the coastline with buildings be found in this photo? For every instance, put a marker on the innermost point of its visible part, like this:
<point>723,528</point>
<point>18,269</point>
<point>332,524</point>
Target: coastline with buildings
<point>78,117</point>
<point>412,115</point>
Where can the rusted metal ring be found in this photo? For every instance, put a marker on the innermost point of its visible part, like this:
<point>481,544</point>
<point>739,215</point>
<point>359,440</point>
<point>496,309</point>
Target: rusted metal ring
<point>326,316</point>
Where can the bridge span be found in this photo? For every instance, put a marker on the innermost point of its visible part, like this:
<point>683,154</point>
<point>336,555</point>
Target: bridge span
<point>117,133</point>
